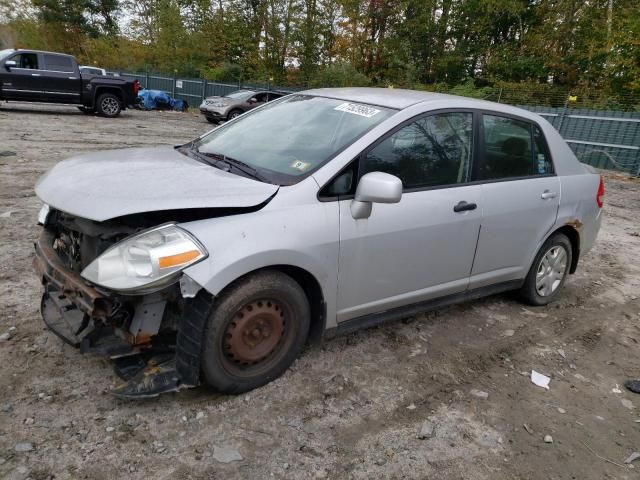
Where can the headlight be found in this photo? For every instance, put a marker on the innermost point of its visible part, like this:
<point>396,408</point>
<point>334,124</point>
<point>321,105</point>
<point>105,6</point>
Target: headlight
<point>147,261</point>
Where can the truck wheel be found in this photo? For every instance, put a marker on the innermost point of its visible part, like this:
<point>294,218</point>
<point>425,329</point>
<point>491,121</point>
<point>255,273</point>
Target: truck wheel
<point>234,113</point>
<point>548,272</point>
<point>256,330</point>
<point>108,105</point>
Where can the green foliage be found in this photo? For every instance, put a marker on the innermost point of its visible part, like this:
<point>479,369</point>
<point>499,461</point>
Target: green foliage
<point>512,50</point>
<point>469,89</point>
<point>339,75</point>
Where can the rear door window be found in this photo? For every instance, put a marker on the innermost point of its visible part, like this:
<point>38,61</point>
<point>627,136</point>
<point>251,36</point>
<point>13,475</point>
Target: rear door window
<point>58,63</point>
<point>432,151</point>
<point>507,148</point>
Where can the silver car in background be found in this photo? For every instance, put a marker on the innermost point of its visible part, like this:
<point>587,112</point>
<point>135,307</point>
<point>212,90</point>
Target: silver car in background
<point>317,214</point>
<point>216,109</point>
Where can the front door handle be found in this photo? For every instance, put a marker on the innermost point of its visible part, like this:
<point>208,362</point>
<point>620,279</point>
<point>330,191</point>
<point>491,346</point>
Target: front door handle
<point>35,74</point>
<point>547,194</point>
<point>464,206</point>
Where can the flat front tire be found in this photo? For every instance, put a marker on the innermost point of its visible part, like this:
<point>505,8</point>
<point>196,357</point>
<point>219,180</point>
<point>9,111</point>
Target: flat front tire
<point>108,105</point>
<point>548,271</point>
<point>256,329</point>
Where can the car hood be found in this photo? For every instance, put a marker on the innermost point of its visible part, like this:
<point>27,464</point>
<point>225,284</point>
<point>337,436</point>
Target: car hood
<point>109,184</point>
<point>219,99</point>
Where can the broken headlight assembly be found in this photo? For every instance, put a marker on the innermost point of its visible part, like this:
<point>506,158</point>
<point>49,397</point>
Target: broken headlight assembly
<point>145,262</point>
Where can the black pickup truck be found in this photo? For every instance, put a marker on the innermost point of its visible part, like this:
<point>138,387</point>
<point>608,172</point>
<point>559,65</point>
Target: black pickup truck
<point>35,76</point>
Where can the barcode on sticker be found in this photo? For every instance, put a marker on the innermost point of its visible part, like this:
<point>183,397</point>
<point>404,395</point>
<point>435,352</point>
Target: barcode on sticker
<point>362,110</point>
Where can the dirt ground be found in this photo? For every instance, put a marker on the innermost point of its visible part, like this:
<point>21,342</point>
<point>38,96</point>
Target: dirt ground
<point>349,408</point>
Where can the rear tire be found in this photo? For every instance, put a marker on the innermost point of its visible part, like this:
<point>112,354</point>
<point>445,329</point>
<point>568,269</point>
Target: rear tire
<point>108,105</point>
<point>548,271</point>
<point>255,331</point>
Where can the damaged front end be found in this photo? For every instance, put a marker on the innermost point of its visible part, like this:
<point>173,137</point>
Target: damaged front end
<point>143,330</point>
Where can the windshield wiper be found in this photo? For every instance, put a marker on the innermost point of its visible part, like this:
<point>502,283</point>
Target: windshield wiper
<point>232,162</point>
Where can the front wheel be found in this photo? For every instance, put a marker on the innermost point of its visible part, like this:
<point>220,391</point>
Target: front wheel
<point>548,272</point>
<point>233,114</point>
<point>255,331</point>
<point>108,105</point>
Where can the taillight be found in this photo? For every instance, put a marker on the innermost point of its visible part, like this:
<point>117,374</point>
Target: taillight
<point>600,194</point>
<point>136,87</point>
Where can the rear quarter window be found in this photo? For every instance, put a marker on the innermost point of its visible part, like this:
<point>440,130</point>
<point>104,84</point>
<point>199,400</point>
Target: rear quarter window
<point>543,165</point>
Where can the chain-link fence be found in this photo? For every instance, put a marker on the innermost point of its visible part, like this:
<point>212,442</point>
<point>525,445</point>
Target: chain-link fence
<point>602,138</point>
<point>602,131</point>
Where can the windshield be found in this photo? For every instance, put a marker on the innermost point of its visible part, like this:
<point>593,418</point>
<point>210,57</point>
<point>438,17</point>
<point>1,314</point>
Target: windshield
<point>240,94</point>
<point>6,53</point>
<point>287,139</point>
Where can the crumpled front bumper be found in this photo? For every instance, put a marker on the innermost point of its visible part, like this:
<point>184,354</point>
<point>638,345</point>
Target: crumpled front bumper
<point>85,318</point>
<point>55,274</point>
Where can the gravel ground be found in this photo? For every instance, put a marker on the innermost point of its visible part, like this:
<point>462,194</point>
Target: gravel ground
<point>349,408</point>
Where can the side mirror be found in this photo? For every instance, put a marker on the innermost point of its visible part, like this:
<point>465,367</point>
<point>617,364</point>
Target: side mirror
<point>9,64</point>
<point>375,187</point>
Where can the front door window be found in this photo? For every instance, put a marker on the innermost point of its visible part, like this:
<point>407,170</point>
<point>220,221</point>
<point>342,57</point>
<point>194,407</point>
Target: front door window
<point>432,151</point>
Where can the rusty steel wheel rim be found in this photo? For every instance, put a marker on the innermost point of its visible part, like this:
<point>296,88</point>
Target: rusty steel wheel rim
<point>254,332</point>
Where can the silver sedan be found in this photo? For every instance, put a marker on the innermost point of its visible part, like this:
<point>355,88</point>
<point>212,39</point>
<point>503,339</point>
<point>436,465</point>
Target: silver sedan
<point>313,215</point>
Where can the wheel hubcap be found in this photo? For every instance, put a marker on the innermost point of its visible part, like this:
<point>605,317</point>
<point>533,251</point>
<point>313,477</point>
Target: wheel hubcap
<point>254,332</point>
<point>110,105</point>
<point>551,270</point>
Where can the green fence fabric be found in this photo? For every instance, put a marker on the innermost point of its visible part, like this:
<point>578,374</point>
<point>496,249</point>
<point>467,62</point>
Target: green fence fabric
<point>602,138</point>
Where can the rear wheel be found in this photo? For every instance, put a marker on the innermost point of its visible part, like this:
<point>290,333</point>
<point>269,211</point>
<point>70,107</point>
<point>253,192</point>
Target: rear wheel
<point>108,105</point>
<point>233,114</point>
<point>548,272</point>
<point>255,331</point>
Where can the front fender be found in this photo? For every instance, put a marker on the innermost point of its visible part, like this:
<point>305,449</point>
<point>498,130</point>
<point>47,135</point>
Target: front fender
<point>305,236</point>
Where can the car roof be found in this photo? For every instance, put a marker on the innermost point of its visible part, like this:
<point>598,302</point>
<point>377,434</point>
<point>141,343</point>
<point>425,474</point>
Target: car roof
<point>397,98</point>
<point>384,97</point>
<point>26,50</point>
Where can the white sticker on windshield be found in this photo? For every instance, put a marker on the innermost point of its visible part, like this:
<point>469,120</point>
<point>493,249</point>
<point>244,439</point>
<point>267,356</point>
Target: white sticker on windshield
<point>362,110</point>
<point>298,165</point>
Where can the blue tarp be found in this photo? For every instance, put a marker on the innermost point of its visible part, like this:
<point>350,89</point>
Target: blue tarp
<point>157,99</point>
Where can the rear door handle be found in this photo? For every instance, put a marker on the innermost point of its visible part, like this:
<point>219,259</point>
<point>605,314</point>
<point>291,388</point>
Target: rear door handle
<point>464,206</point>
<point>35,74</point>
<point>547,194</point>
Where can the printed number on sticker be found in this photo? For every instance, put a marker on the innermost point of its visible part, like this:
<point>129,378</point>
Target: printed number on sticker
<point>362,110</point>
